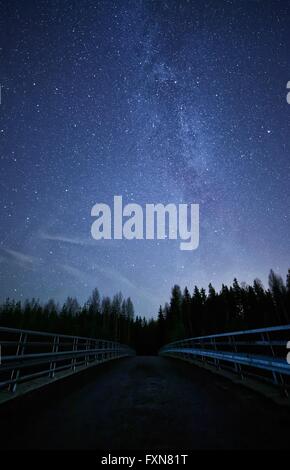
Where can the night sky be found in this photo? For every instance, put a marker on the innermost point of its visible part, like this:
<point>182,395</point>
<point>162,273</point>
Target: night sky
<point>157,101</point>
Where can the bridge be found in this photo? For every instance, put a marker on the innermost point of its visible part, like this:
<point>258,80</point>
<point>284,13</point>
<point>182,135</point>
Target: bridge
<point>226,391</point>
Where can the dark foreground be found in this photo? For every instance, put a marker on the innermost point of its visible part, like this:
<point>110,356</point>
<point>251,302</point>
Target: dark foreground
<point>146,403</point>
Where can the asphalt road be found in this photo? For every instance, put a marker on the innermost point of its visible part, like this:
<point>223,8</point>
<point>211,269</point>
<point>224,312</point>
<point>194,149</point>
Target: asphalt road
<point>147,403</point>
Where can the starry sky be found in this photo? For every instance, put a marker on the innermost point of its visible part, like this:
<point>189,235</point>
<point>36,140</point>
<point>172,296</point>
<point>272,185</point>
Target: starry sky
<point>157,101</point>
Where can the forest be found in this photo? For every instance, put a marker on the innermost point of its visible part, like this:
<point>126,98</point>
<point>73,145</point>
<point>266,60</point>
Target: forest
<point>187,314</point>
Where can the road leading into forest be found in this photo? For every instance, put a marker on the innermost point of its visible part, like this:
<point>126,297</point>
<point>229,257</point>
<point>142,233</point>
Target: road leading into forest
<point>147,403</point>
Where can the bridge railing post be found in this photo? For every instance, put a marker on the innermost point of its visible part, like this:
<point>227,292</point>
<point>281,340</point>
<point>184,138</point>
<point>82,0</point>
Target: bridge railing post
<point>237,366</point>
<point>277,378</point>
<point>216,360</point>
<point>203,358</point>
<point>52,364</point>
<point>19,352</point>
<point>86,348</point>
<point>75,348</point>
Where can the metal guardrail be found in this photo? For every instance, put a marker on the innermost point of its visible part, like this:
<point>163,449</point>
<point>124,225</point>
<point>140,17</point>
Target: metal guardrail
<point>28,355</point>
<point>259,353</point>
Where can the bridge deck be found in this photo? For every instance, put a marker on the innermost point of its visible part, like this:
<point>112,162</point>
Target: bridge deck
<point>147,402</point>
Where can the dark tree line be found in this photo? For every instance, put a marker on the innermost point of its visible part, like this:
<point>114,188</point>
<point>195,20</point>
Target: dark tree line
<point>188,314</point>
<point>104,318</point>
<point>237,307</point>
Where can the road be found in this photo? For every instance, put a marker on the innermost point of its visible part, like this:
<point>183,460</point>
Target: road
<point>147,402</point>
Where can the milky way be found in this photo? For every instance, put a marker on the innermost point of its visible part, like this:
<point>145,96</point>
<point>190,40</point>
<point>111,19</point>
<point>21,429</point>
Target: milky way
<point>181,102</point>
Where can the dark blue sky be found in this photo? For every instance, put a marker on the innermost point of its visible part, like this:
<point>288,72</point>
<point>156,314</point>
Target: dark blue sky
<point>158,101</point>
